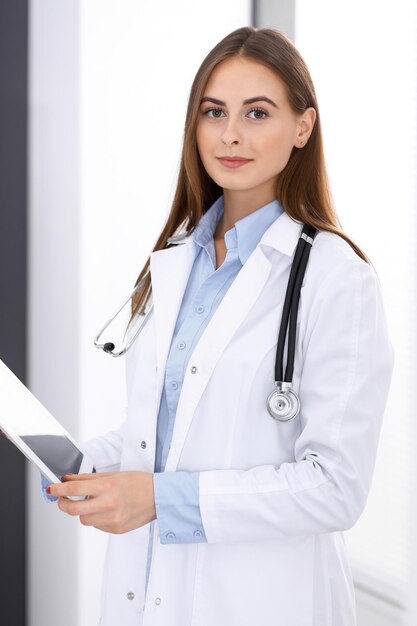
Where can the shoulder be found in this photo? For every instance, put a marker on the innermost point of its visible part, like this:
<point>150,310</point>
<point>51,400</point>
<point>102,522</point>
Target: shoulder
<point>331,254</point>
<point>336,272</point>
<point>331,248</point>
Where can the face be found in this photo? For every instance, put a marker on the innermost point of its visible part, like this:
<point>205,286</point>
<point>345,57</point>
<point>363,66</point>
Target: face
<point>263,131</point>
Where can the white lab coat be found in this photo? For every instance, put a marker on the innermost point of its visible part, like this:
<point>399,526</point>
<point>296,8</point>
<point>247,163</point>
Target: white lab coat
<point>275,497</point>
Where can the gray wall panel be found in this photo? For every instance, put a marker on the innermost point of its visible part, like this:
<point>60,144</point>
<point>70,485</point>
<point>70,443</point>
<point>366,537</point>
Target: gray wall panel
<point>13,149</point>
<point>278,14</point>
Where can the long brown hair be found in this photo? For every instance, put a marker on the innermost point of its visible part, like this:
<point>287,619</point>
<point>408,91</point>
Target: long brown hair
<point>302,187</point>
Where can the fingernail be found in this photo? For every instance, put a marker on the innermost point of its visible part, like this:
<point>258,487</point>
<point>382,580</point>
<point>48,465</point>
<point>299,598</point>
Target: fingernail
<point>48,490</point>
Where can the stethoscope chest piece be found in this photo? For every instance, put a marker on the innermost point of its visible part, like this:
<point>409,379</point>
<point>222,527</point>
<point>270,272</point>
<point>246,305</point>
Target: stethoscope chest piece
<point>283,403</point>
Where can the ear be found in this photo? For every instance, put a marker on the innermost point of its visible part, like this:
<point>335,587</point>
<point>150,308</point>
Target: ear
<point>305,126</point>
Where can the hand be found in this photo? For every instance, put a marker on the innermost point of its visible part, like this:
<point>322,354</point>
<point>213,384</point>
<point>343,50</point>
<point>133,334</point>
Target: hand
<point>117,501</point>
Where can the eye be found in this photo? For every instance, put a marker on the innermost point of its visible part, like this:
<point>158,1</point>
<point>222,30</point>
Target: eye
<point>215,110</point>
<point>259,110</point>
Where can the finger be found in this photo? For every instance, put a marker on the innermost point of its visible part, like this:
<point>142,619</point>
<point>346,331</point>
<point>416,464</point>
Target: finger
<point>78,507</point>
<point>98,520</point>
<point>101,523</point>
<point>75,488</point>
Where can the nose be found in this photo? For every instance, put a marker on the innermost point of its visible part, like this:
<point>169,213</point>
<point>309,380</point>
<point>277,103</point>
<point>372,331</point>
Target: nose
<point>229,142</point>
<point>230,132</point>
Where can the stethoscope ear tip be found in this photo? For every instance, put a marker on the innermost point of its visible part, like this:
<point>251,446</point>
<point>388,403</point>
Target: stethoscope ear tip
<point>108,347</point>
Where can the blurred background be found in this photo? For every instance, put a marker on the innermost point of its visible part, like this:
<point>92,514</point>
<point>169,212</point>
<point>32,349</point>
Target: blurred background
<point>92,110</point>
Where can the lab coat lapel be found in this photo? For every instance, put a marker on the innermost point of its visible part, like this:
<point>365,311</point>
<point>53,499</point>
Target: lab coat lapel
<point>232,310</point>
<point>170,270</point>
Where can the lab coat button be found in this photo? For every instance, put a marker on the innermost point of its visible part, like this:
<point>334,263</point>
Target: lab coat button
<point>170,535</point>
<point>157,600</point>
<point>130,595</point>
<point>143,444</point>
<point>193,369</point>
<point>198,533</point>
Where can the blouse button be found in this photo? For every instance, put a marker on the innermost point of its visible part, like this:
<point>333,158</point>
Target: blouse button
<point>181,345</point>
<point>170,535</point>
<point>200,308</point>
<point>198,533</point>
<point>174,385</point>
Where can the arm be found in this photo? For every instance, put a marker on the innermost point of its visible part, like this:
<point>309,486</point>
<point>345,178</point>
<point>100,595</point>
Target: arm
<point>347,367</point>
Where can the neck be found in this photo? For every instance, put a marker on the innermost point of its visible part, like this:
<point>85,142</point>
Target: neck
<point>239,204</point>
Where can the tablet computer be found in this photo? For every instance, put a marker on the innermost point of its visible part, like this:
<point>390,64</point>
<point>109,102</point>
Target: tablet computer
<point>32,429</point>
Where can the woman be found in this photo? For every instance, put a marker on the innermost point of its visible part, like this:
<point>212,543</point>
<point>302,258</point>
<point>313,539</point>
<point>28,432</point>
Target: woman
<point>218,513</point>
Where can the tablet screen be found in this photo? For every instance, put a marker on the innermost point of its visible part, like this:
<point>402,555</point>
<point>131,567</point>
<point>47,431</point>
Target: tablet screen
<point>57,452</point>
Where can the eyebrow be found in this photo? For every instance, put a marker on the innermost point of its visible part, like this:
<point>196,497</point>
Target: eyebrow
<point>247,101</point>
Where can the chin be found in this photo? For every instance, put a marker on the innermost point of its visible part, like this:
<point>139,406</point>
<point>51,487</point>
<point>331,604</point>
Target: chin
<point>226,186</point>
<point>242,185</point>
<point>233,180</point>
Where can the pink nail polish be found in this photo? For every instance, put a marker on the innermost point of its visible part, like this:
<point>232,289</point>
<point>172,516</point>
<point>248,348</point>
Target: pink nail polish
<point>48,490</point>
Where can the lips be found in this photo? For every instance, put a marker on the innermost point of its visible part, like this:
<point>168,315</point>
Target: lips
<point>233,162</point>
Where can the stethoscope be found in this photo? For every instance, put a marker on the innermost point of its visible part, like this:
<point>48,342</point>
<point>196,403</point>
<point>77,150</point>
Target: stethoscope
<point>283,403</point>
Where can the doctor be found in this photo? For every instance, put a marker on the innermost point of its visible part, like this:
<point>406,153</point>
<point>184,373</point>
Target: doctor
<point>217,513</point>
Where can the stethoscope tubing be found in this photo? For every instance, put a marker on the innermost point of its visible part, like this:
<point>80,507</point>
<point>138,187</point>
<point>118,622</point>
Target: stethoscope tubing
<point>290,306</point>
<point>108,347</point>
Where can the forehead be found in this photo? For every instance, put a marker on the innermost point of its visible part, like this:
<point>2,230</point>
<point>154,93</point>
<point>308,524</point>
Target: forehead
<point>244,78</point>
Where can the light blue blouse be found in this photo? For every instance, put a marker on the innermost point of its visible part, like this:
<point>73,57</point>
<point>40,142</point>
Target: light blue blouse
<point>177,493</point>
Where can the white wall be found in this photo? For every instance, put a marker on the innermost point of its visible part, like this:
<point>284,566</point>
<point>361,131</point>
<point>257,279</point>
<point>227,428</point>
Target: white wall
<point>108,89</point>
<point>363,61</point>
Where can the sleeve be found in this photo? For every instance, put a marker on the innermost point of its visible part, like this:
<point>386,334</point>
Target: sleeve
<point>105,451</point>
<point>347,366</point>
<point>177,507</point>
<point>44,484</point>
